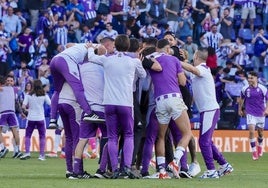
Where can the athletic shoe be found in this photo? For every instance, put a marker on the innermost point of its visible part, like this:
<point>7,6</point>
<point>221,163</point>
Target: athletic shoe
<point>184,174</point>
<point>131,174</point>
<point>17,155</point>
<point>25,156</point>
<point>93,118</point>
<point>210,174</point>
<point>128,173</point>
<point>53,124</point>
<point>164,175</point>
<point>3,152</point>
<point>84,175</point>
<point>62,156</point>
<point>115,174</point>
<point>123,174</point>
<point>194,169</point>
<point>174,168</point>
<point>68,174</point>
<point>225,169</point>
<point>260,151</point>
<point>99,174</point>
<point>52,154</point>
<point>255,155</point>
<point>41,158</point>
<point>145,175</point>
<point>108,175</point>
<point>155,175</point>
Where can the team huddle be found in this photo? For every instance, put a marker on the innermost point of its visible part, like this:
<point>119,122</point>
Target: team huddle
<point>99,86</point>
<point>94,88</point>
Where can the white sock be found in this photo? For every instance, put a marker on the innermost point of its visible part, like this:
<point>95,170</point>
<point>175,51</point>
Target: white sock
<point>57,142</point>
<point>178,153</point>
<point>253,140</point>
<point>16,148</point>
<point>160,160</point>
<point>14,144</point>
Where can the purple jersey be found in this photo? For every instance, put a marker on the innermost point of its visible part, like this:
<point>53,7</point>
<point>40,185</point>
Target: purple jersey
<point>42,26</point>
<point>166,81</point>
<point>89,7</point>
<point>255,99</point>
<point>60,10</point>
<point>24,39</point>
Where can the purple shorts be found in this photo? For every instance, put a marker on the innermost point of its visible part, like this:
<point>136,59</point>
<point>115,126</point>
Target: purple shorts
<point>89,130</point>
<point>9,119</point>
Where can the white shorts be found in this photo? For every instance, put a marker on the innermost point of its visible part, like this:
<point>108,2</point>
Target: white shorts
<point>169,106</point>
<point>257,121</point>
<point>248,11</point>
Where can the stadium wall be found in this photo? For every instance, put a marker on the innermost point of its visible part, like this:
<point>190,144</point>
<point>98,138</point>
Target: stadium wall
<point>225,140</point>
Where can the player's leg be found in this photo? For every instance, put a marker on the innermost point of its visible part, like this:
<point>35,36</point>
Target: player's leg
<point>260,128</point>
<point>3,149</point>
<point>41,127</point>
<point>251,122</point>
<point>208,121</point>
<point>30,125</point>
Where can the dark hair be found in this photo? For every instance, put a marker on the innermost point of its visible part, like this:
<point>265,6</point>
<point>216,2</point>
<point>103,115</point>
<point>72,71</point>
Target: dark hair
<point>162,43</point>
<point>239,72</point>
<point>213,25</point>
<point>9,76</point>
<point>226,70</point>
<point>150,41</point>
<point>106,39</point>
<point>211,51</point>
<point>229,62</point>
<point>37,88</point>
<point>134,45</point>
<point>122,43</point>
<point>165,26</point>
<point>227,8</point>
<point>253,73</point>
<point>170,33</point>
<point>260,28</point>
<point>31,83</point>
<point>2,80</point>
<point>110,23</point>
<point>154,22</point>
<point>148,50</point>
<point>241,40</point>
<point>176,53</point>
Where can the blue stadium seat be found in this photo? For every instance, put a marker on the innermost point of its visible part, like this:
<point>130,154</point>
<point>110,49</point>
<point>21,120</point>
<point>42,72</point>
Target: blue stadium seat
<point>249,48</point>
<point>258,21</point>
<point>238,20</point>
<point>233,36</point>
<point>245,34</point>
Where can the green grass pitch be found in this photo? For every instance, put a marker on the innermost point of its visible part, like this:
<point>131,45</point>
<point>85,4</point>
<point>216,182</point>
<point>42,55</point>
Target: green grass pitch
<point>33,173</point>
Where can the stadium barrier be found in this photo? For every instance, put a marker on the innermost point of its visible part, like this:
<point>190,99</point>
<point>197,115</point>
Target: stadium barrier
<point>225,140</point>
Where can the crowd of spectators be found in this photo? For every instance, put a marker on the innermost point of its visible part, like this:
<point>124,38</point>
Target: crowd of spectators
<point>33,31</point>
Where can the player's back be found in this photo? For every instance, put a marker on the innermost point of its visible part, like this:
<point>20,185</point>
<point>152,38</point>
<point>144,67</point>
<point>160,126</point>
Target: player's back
<point>7,99</point>
<point>77,52</point>
<point>119,71</point>
<point>166,81</point>
<point>93,82</point>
